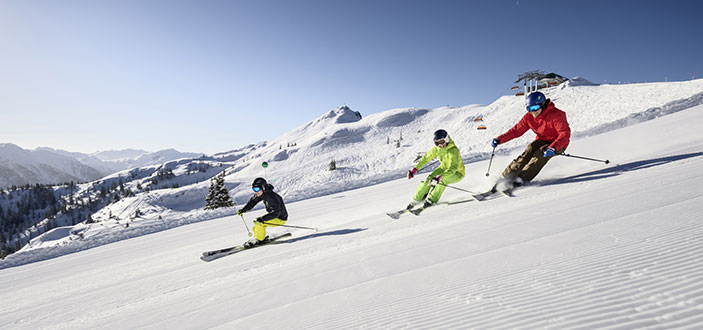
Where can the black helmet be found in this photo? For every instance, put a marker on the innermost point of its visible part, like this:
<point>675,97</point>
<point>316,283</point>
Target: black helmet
<point>259,182</point>
<point>440,137</point>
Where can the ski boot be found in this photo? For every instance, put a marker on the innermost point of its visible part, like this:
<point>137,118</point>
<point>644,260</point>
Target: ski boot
<point>412,204</point>
<point>250,243</point>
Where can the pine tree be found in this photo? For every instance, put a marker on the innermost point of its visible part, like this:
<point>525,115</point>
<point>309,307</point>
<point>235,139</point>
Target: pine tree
<point>218,195</point>
<point>211,197</point>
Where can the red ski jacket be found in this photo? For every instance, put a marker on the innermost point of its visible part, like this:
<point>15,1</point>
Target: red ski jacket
<point>550,125</point>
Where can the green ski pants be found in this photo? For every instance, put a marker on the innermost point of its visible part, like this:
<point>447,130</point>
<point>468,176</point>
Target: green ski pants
<point>423,190</point>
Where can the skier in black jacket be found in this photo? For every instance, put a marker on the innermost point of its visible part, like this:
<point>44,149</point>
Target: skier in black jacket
<point>277,214</point>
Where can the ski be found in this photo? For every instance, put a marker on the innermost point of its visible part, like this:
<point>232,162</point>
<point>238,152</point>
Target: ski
<point>419,210</point>
<point>396,215</point>
<point>482,196</point>
<point>508,192</point>
<point>216,254</point>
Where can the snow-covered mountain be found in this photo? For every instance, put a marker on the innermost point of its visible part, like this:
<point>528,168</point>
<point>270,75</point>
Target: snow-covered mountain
<point>585,246</point>
<point>129,158</point>
<point>367,151</point>
<point>19,167</point>
<point>111,161</point>
<point>101,166</point>
<point>579,81</point>
<point>110,155</point>
<point>51,166</point>
<point>384,145</point>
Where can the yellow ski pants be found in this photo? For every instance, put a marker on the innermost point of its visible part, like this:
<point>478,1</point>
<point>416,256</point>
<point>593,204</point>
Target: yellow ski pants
<point>424,188</point>
<point>260,227</point>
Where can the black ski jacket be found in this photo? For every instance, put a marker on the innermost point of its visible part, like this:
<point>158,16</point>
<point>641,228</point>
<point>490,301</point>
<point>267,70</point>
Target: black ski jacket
<point>274,204</point>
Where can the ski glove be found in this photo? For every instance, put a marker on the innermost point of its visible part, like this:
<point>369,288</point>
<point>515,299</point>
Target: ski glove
<point>411,173</point>
<point>240,212</point>
<point>549,152</point>
<point>434,181</point>
<point>495,143</point>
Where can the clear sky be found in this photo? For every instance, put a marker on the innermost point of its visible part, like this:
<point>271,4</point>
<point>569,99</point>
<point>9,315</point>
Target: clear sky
<point>210,76</point>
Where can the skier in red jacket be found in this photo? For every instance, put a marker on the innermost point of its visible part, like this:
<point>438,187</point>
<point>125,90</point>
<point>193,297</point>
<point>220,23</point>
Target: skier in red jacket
<point>553,134</point>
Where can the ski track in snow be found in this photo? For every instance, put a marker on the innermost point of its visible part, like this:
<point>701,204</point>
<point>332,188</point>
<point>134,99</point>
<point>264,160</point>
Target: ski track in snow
<point>649,277</point>
<point>586,246</point>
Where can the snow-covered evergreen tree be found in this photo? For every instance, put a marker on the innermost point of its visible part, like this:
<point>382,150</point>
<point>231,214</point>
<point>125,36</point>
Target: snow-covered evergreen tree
<point>218,195</point>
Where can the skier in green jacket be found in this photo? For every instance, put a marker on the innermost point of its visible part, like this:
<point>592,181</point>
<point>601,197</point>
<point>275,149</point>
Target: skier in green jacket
<point>450,170</point>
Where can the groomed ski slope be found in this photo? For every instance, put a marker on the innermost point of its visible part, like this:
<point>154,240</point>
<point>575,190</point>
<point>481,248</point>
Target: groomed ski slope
<point>587,246</point>
<point>365,150</point>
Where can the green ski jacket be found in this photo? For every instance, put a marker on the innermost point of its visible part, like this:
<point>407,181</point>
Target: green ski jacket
<point>449,158</point>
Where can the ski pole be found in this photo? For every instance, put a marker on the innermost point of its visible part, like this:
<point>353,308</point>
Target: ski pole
<point>464,190</point>
<point>288,226</point>
<point>427,165</point>
<point>586,158</point>
<point>245,225</point>
<point>493,153</point>
<point>244,221</point>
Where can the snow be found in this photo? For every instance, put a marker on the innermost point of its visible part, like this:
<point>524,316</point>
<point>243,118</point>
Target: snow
<point>370,150</point>
<point>579,81</point>
<point>587,245</point>
<point>124,154</point>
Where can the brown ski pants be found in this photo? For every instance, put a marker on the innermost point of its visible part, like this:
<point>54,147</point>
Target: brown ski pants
<point>530,162</point>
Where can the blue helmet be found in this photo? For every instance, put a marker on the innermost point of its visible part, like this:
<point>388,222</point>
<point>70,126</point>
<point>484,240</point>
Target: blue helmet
<point>535,101</point>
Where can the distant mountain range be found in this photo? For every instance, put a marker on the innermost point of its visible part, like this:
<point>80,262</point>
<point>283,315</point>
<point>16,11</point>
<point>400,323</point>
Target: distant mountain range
<point>19,166</point>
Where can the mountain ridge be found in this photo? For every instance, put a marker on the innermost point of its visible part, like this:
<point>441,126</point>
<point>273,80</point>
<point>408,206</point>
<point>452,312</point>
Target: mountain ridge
<point>44,165</point>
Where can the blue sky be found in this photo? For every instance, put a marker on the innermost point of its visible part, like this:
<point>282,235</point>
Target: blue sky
<point>210,76</point>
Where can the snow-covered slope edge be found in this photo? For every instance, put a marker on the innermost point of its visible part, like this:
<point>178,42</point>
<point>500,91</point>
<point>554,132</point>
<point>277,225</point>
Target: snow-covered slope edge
<point>588,246</point>
<point>383,146</point>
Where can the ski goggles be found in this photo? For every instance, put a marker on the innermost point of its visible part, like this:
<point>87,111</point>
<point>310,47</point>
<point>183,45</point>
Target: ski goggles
<point>440,142</point>
<point>256,189</point>
<point>533,108</point>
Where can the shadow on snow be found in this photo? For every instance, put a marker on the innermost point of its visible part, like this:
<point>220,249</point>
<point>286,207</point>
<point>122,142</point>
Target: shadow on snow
<point>618,169</point>
<point>327,233</point>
